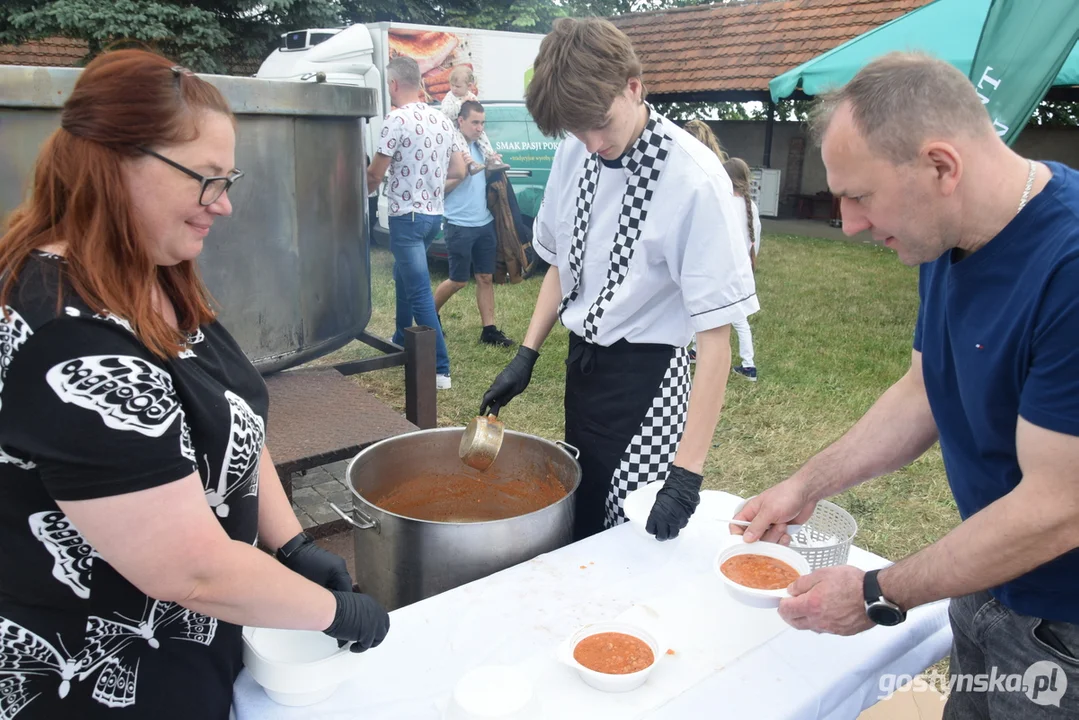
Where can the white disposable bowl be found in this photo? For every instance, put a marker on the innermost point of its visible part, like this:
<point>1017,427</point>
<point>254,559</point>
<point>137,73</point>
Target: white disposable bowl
<point>638,504</point>
<point>753,596</point>
<point>493,692</point>
<point>604,681</point>
<point>296,667</point>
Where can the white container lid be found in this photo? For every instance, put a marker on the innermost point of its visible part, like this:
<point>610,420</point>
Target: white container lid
<point>492,691</point>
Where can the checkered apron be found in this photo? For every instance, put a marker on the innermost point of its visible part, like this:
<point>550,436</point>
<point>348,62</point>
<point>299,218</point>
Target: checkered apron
<point>650,452</point>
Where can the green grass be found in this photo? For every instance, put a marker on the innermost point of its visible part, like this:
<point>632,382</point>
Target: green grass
<point>833,333</point>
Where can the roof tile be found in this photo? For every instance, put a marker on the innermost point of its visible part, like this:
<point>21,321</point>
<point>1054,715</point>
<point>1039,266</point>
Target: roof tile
<point>742,46</point>
<point>51,52</point>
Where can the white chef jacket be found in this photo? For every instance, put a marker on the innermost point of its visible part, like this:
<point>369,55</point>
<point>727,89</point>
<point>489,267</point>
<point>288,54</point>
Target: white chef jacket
<point>690,271</point>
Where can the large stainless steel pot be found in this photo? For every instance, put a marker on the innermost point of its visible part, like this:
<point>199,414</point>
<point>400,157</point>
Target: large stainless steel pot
<point>290,268</point>
<point>400,560</point>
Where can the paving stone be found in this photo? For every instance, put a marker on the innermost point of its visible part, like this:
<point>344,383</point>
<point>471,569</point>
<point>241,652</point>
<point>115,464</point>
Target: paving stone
<point>305,520</point>
<point>337,495</point>
<point>328,487</point>
<point>338,470</point>
<point>307,498</point>
<point>314,476</point>
<point>323,514</point>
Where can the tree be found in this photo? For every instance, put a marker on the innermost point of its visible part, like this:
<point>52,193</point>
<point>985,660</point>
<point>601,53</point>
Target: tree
<point>1055,113</point>
<point>203,35</point>
<point>796,110</point>
<point>683,111</point>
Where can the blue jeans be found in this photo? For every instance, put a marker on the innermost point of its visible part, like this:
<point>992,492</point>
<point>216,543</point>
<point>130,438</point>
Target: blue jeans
<point>410,236</point>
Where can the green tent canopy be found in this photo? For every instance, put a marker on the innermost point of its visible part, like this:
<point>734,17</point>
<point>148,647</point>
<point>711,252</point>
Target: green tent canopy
<point>947,29</point>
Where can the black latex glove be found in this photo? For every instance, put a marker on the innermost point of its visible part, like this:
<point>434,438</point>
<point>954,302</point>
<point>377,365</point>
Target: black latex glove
<point>359,619</point>
<point>675,503</point>
<point>511,382</point>
<point>319,566</point>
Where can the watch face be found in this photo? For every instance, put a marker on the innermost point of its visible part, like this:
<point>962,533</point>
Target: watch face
<point>883,614</point>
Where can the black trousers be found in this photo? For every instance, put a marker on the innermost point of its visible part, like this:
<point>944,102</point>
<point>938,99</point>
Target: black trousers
<point>608,393</point>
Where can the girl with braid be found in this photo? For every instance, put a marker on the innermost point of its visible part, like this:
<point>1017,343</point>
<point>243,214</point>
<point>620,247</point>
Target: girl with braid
<point>700,130</point>
<point>739,173</point>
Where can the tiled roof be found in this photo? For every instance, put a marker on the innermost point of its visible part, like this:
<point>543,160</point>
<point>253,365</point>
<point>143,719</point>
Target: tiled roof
<point>64,52</point>
<point>52,52</point>
<point>742,45</point>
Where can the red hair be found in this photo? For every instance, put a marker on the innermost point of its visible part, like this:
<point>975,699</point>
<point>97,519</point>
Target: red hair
<point>123,100</point>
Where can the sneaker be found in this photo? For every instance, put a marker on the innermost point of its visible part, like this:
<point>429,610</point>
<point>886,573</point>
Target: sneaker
<point>442,382</point>
<point>749,373</point>
<point>494,336</point>
<point>692,356</point>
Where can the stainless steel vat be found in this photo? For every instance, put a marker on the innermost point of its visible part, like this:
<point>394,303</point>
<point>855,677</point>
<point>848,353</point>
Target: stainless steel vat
<point>290,269</point>
<point>401,560</point>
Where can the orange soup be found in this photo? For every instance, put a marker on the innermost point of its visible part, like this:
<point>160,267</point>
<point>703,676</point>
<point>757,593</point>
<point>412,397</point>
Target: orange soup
<point>613,653</point>
<point>759,572</point>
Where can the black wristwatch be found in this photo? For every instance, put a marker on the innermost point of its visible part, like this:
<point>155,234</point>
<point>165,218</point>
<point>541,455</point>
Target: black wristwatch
<point>878,608</point>
<point>285,551</point>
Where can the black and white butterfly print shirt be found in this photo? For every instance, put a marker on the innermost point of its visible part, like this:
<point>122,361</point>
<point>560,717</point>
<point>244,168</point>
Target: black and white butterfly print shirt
<point>86,411</point>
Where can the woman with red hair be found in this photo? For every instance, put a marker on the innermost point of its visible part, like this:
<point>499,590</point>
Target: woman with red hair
<point>134,477</point>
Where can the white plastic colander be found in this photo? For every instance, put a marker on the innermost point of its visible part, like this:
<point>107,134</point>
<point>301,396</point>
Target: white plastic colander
<point>825,538</point>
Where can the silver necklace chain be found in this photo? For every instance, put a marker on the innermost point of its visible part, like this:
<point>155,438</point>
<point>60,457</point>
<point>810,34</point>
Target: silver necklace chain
<point>1030,185</point>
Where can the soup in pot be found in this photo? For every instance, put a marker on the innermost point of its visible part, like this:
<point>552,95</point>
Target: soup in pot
<point>462,497</point>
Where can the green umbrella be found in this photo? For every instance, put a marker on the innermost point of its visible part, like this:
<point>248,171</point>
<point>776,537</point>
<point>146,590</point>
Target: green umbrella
<point>1020,54</point>
<point>948,29</point>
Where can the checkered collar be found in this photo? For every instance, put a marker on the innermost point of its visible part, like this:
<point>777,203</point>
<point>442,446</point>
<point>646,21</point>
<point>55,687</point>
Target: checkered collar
<point>643,151</point>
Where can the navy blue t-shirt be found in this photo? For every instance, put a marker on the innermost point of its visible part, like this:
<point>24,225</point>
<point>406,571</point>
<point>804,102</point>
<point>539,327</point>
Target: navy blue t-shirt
<point>999,337</point>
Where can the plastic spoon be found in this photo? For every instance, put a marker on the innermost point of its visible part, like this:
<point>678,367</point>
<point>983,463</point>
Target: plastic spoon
<point>792,530</point>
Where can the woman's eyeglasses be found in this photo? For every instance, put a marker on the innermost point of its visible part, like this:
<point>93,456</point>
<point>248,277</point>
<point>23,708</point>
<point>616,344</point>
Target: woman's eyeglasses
<point>211,188</point>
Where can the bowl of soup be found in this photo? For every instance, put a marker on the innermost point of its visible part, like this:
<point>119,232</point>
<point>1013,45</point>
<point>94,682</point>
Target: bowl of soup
<point>758,573</point>
<point>612,656</point>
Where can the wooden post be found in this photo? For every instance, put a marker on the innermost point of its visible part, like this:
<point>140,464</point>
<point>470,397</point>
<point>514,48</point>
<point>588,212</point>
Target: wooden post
<point>768,127</point>
<point>421,407</point>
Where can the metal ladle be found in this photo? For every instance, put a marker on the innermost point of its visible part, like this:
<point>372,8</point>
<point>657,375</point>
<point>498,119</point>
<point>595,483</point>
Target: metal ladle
<point>481,442</point>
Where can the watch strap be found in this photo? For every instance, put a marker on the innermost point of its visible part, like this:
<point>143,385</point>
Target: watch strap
<point>293,545</point>
<point>871,587</point>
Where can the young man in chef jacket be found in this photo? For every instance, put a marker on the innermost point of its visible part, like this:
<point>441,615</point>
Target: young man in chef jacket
<point>640,228</point>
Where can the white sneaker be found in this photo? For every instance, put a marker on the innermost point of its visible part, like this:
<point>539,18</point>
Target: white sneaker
<point>442,382</point>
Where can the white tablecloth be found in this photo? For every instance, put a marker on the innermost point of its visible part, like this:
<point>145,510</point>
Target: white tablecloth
<point>515,616</point>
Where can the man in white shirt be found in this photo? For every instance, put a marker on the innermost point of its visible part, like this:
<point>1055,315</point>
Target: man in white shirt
<point>470,229</point>
<point>416,146</point>
<point>640,227</point>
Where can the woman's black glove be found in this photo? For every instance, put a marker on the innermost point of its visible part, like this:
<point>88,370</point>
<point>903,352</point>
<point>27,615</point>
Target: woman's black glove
<point>302,556</point>
<point>511,382</point>
<point>359,619</point>
<point>675,503</point>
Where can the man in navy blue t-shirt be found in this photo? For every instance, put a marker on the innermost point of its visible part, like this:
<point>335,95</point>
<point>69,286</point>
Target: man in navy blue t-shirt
<point>994,377</point>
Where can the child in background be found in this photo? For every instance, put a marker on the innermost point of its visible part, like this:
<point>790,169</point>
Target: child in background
<point>700,130</point>
<point>461,83</point>
<point>739,173</point>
